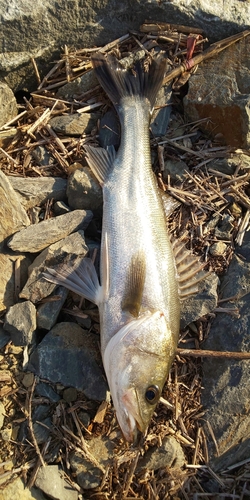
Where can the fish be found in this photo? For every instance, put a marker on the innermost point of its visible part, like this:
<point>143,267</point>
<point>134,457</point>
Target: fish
<point>138,295</point>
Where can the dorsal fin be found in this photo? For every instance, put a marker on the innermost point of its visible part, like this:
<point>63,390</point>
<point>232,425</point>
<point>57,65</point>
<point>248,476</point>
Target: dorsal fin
<point>134,284</point>
<point>190,270</point>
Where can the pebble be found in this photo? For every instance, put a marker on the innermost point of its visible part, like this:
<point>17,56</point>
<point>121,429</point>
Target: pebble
<point>20,322</point>
<point>60,208</point>
<point>75,124</point>
<point>169,454</point>
<point>225,227</point>
<point>70,394</point>
<point>50,479</point>
<point>36,237</point>
<point>218,248</point>
<point>83,190</point>
<point>48,312</point>
<point>68,251</point>
<point>62,357</point>
<point>12,214</point>
<point>177,169</point>
<point>36,191</point>
<point>42,156</point>
<point>88,475</point>
<point>28,380</point>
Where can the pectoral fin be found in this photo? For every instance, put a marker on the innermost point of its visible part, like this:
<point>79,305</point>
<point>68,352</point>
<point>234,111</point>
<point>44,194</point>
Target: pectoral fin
<point>134,284</point>
<point>190,270</point>
<point>82,280</point>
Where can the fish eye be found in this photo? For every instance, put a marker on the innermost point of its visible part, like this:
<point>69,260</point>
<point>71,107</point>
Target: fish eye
<point>152,394</point>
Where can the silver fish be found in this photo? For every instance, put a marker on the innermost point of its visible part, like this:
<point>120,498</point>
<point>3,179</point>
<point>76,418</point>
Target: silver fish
<point>138,297</point>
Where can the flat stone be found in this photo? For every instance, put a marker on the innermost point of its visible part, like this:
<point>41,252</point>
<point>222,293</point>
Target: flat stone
<point>51,481</point>
<point>202,303</point>
<point>16,490</point>
<point>62,357</point>
<point>220,90</point>
<point>226,392</point>
<point>8,104</point>
<point>68,251</point>
<point>75,89</point>
<point>48,312</point>
<point>169,454</point>
<point>7,283</point>
<point>20,322</point>
<point>75,124</point>
<point>39,236</point>
<point>36,191</point>
<point>89,476</point>
<point>12,215</point>
<point>83,190</point>
<point>42,156</point>
<point>28,380</point>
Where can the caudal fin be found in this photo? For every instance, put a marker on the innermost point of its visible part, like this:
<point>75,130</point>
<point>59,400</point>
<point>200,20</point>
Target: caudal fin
<point>119,82</point>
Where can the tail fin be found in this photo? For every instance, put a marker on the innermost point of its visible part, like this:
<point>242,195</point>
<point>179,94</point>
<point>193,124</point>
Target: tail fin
<point>119,82</point>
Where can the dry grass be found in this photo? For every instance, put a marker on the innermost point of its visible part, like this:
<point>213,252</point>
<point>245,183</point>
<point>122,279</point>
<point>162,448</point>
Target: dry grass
<point>205,194</point>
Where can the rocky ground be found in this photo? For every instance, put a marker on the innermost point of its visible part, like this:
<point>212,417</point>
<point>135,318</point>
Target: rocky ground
<point>59,435</point>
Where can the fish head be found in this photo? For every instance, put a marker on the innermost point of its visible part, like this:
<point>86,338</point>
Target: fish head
<point>137,361</point>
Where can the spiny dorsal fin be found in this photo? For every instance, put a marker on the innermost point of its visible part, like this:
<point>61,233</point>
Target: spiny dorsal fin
<point>134,284</point>
<point>100,161</point>
<point>190,271</point>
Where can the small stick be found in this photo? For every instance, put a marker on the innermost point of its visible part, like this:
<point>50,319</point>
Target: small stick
<point>114,43</point>
<point>13,120</point>
<point>36,70</point>
<point>8,156</point>
<point>67,65</point>
<point>200,353</point>
<point>31,425</point>
<point>130,474</point>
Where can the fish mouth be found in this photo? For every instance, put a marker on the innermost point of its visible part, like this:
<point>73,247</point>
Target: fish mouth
<point>132,426</point>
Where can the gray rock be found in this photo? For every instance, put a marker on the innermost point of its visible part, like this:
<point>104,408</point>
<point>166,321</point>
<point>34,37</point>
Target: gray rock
<point>8,282</point>
<point>89,476</point>
<point>76,124</point>
<point>12,215</point>
<point>218,248</point>
<point>20,322</point>
<point>50,480</point>
<point>17,490</point>
<point>42,156</point>
<point>169,454</point>
<point>84,418</point>
<point>226,390</point>
<point>48,312</point>
<point>6,136</point>
<point>34,192</point>
<point>225,227</point>
<point>177,169</point>
<point>39,415</point>
<point>161,117</point>
<point>229,165</point>
<point>202,303</point>
<point>83,190</point>
<point>60,208</point>
<point>68,251</point>
<point>75,89</point>
<point>46,391</point>
<point>39,236</point>
<point>4,337</point>
<point>2,414</point>
<point>62,357</point>
<point>220,90</point>
<point>8,104</point>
